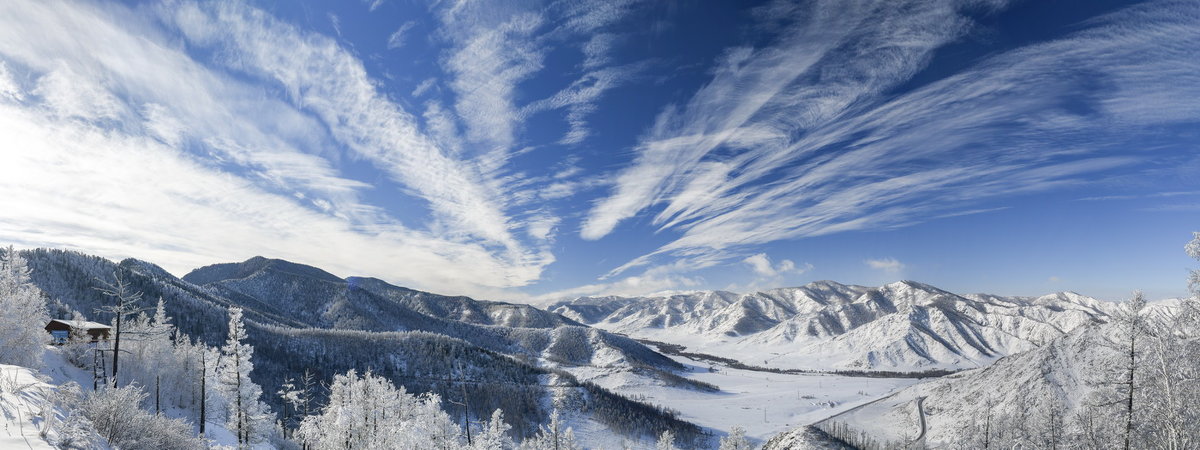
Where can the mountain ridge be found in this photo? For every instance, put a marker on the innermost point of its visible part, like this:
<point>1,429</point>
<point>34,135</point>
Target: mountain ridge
<point>905,325</point>
<point>510,364</point>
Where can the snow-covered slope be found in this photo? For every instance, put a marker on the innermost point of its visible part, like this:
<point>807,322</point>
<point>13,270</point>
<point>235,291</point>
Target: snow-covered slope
<point>1057,377</point>
<point>324,300</point>
<point>319,299</point>
<point>902,326</point>
<point>302,318</point>
<point>24,396</point>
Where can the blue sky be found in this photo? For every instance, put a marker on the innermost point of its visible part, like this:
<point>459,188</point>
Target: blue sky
<point>533,150</point>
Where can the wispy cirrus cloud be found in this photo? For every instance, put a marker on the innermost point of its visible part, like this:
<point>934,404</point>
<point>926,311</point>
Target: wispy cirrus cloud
<point>399,37</point>
<point>501,46</point>
<point>804,137</point>
<point>112,124</point>
<point>1156,195</point>
<point>341,94</point>
<point>105,192</point>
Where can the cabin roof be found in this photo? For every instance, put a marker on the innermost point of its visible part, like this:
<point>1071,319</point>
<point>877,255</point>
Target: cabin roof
<point>83,324</point>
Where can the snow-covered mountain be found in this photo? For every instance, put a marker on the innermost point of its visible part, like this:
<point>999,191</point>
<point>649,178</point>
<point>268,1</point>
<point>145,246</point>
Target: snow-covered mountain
<point>900,326</point>
<point>303,318</point>
<point>321,299</point>
<point>1071,392</point>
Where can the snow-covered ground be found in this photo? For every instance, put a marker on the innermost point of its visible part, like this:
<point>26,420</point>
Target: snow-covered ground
<point>763,403</point>
<point>24,393</point>
<point>22,418</point>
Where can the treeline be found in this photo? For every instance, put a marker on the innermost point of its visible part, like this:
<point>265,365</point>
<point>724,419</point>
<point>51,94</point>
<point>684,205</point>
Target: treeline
<point>1145,391</point>
<point>859,439</point>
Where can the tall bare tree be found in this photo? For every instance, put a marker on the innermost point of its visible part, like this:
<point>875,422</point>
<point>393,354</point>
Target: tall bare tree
<point>125,304</point>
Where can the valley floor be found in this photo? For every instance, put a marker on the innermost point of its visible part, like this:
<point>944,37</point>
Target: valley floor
<point>763,403</point>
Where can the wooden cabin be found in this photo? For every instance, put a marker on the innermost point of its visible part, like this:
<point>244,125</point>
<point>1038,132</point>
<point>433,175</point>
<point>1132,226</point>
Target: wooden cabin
<point>60,330</point>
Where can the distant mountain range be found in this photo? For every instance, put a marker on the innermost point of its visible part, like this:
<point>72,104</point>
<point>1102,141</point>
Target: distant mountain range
<point>302,317</point>
<point>500,355</point>
<point>826,325</point>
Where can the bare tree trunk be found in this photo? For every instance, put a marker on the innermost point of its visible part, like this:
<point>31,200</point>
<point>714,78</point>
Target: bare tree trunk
<point>1129,399</point>
<point>203,392</point>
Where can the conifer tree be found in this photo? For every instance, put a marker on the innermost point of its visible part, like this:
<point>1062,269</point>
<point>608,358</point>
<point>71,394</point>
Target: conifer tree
<point>248,417</point>
<point>23,314</point>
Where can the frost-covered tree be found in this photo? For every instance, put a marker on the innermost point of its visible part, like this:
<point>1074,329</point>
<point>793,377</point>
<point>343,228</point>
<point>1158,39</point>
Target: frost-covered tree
<point>1171,366</point>
<point>553,436</point>
<point>1130,326</point>
<point>1193,249</point>
<point>736,440</point>
<point>158,353</point>
<point>23,314</point>
<point>247,416</point>
<point>125,303</point>
<point>494,435</point>
<point>1169,394</point>
<point>116,416</point>
<point>666,441</point>
<point>78,348</point>
<point>297,397</point>
<point>150,359</point>
<point>369,412</point>
<point>73,430</point>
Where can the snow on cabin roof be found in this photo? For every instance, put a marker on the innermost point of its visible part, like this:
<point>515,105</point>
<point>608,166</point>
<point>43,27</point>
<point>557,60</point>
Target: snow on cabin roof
<point>83,324</point>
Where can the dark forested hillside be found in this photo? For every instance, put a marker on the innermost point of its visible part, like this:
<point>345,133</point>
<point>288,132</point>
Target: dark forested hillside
<point>302,318</point>
<point>317,299</point>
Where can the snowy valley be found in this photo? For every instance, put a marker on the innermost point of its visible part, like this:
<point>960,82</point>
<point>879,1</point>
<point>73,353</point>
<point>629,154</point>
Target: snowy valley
<point>824,365</point>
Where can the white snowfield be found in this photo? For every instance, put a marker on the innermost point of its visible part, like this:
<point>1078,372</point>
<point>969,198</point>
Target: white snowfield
<point>1056,377</point>
<point>26,405</point>
<point>903,326</point>
<point>763,403</point>
<point>24,408</point>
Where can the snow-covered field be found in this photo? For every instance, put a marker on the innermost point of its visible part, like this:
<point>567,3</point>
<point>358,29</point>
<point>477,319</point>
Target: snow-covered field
<point>763,403</point>
<point>22,418</point>
<point>24,406</point>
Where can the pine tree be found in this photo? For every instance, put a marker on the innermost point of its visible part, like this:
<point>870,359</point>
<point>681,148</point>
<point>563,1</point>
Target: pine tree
<point>160,354</point>
<point>23,314</point>
<point>247,416</point>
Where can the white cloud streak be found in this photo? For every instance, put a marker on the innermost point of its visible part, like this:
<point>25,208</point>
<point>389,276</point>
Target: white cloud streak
<point>888,265</point>
<point>128,147</point>
<point>801,138</point>
<point>323,78</point>
<point>762,266</point>
<point>75,185</point>
<point>397,38</point>
<point>500,46</point>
